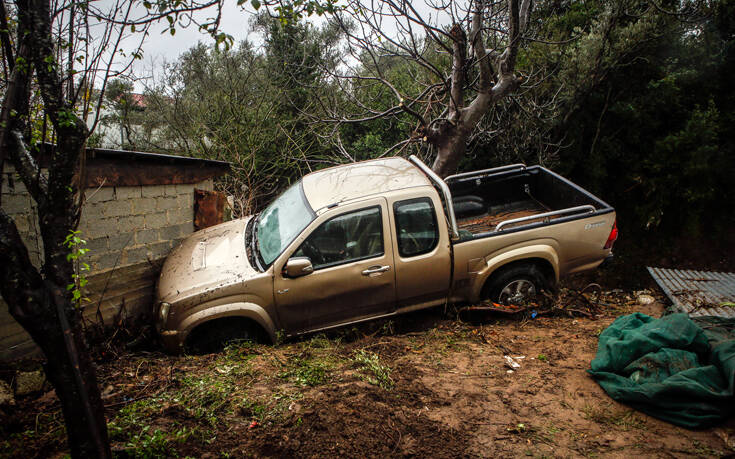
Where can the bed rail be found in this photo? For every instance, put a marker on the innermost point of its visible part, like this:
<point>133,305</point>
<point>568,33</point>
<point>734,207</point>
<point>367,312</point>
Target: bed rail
<point>546,216</point>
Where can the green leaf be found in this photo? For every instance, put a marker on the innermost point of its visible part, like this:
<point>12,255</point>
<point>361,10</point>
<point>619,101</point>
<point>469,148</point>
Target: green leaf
<point>255,3</point>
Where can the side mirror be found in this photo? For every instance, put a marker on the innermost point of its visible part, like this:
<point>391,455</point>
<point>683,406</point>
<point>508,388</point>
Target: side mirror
<point>297,267</point>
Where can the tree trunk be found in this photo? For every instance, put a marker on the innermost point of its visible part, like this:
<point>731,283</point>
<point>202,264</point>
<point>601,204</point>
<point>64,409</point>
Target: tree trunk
<point>43,309</point>
<point>450,151</point>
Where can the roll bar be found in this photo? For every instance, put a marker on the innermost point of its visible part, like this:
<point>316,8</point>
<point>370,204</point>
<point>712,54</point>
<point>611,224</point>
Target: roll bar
<point>445,191</point>
<point>509,167</point>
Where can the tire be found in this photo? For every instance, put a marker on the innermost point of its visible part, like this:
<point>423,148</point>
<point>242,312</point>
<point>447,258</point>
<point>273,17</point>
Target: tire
<point>516,285</point>
<point>215,335</point>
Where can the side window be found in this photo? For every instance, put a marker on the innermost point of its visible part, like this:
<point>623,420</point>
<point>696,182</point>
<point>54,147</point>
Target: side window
<point>416,226</point>
<point>348,237</point>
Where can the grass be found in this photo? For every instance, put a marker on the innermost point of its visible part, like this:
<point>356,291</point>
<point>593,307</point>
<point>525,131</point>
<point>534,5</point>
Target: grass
<point>372,369</point>
<point>304,371</point>
<point>199,397</point>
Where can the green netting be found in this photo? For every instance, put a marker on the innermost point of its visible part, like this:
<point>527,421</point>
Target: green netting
<point>674,368</point>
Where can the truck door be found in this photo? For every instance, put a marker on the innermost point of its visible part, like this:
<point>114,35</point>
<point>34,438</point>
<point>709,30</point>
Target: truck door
<point>353,277</point>
<point>422,253</point>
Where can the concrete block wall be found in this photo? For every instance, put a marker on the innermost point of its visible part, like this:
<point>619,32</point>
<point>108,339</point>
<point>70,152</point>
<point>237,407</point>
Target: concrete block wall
<point>129,231</point>
<point>17,203</point>
<point>128,225</point>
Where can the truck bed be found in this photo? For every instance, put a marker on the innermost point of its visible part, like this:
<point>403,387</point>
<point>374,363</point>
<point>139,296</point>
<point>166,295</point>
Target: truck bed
<point>488,221</point>
<point>484,199</point>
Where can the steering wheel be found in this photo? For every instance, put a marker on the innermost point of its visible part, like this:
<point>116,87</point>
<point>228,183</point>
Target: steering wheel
<point>310,250</point>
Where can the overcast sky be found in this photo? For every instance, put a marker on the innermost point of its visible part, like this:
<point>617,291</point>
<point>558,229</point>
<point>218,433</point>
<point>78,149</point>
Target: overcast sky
<point>160,46</point>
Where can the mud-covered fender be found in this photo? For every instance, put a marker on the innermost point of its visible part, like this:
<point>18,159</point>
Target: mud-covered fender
<point>247,310</point>
<point>544,251</point>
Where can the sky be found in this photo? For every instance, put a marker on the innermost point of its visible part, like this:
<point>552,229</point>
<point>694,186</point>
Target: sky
<point>160,46</point>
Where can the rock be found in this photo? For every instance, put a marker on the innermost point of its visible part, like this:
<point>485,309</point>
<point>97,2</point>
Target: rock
<point>645,299</point>
<point>29,382</point>
<point>6,394</point>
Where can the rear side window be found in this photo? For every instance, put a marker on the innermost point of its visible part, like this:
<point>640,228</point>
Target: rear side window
<point>416,226</point>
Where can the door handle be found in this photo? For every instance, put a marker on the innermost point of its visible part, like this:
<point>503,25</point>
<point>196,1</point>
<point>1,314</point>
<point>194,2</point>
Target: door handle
<point>375,270</point>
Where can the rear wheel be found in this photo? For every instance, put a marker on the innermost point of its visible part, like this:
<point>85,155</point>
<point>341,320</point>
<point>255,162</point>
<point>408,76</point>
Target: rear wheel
<point>215,335</point>
<point>517,285</point>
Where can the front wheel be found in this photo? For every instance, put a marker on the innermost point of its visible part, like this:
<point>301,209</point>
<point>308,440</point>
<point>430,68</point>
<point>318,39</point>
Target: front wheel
<point>215,335</point>
<point>518,286</point>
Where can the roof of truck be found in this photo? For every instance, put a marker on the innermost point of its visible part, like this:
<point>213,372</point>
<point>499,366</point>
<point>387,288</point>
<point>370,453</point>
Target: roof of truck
<point>357,180</point>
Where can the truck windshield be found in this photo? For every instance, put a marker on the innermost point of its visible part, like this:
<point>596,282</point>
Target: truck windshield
<point>282,221</point>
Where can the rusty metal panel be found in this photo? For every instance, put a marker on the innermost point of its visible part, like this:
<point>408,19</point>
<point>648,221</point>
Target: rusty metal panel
<point>698,293</point>
<point>107,172</point>
<point>209,208</point>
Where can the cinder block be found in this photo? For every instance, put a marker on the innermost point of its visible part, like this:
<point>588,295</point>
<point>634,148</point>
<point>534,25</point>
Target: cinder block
<point>144,206</point>
<point>101,227</point>
<point>167,203</point>
<point>128,192</point>
<point>99,194</point>
<point>14,204</point>
<point>96,246</point>
<point>187,228</point>
<point>157,220</point>
<point>205,185</point>
<point>148,252</point>
<point>186,201</point>
<point>91,212</point>
<point>158,250</point>
<point>12,184</point>
<point>177,216</point>
<point>109,261</point>
<point>170,190</point>
<point>185,189</point>
<point>146,236</point>
<point>170,233</point>
<point>117,242</point>
<point>131,223</point>
<point>152,191</point>
<point>118,208</point>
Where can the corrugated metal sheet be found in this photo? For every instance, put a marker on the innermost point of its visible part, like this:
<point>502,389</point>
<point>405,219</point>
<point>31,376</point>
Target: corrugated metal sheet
<point>698,293</point>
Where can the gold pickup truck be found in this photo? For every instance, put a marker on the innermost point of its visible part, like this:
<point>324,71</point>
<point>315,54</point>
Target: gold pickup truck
<point>375,239</point>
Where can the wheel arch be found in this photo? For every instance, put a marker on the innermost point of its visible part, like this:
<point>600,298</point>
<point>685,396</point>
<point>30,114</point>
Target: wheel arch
<point>543,257</point>
<point>250,312</point>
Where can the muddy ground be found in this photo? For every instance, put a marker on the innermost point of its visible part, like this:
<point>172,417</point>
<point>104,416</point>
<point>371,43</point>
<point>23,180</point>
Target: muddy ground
<point>425,384</point>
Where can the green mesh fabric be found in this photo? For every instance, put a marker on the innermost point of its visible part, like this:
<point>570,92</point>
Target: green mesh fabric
<point>674,368</point>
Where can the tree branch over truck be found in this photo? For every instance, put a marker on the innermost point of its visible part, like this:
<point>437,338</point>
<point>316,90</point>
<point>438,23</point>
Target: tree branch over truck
<point>463,55</point>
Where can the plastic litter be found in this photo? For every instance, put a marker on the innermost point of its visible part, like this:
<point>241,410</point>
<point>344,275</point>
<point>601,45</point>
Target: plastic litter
<point>512,361</point>
<point>645,299</point>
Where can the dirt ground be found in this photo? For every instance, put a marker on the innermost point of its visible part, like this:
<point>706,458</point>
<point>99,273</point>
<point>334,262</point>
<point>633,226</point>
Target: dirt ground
<point>424,384</point>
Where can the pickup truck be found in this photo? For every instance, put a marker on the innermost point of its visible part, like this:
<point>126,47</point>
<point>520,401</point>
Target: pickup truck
<point>374,239</point>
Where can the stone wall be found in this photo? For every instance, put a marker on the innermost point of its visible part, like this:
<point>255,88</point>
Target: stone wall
<point>129,231</point>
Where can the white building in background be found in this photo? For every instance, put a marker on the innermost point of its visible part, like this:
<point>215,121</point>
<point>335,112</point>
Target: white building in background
<point>110,131</point>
